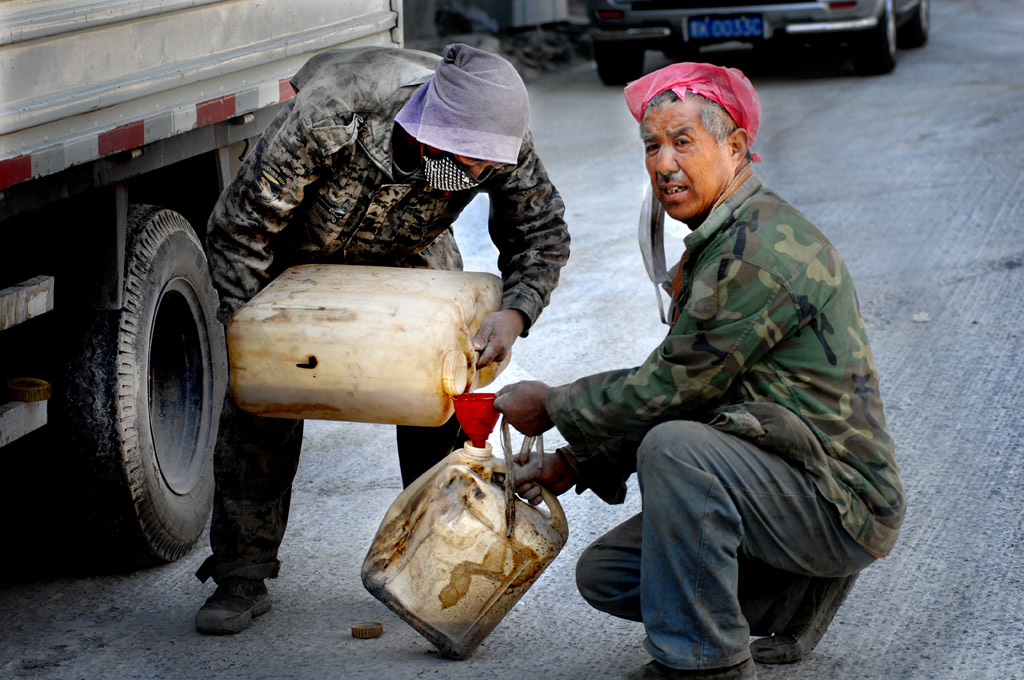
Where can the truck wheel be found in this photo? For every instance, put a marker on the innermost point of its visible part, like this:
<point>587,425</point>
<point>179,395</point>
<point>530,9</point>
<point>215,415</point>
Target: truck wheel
<point>618,63</point>
<point>874,52</point>
<point>145,393</point>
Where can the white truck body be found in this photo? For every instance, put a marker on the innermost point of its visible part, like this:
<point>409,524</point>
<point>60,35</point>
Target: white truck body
<point>83,79</point>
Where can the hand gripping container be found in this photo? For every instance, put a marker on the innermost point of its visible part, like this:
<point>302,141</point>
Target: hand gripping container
<point>442,558</point>
<point>359,343</point>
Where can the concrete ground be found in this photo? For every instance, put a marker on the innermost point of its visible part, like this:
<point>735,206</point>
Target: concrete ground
<point>916,176</point>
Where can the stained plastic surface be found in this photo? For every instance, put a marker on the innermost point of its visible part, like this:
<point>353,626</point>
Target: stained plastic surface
<point>366,344</point>
<point>441,559</point>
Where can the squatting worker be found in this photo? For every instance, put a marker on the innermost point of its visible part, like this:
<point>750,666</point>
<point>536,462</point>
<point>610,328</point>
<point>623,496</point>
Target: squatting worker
<point>766,472</point>
<point>369,163</point>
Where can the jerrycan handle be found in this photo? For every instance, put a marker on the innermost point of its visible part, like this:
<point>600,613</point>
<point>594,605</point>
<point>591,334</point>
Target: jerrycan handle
<point>557,519</point>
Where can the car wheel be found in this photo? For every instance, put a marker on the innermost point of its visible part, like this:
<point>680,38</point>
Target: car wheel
<point>618,63</point>
<point>914,33</point>
<point>144,392</point>
<point>874,52</point>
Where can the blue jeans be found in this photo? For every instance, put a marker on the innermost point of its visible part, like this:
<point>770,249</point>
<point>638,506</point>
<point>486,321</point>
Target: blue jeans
<point>710,501</point>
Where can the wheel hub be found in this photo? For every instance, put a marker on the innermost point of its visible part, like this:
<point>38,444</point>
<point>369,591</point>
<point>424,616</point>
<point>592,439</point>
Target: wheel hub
<point>179,386</point>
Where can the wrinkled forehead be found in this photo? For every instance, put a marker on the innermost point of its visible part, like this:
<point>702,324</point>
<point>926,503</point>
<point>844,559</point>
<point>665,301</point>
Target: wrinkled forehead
<point>669,115</point>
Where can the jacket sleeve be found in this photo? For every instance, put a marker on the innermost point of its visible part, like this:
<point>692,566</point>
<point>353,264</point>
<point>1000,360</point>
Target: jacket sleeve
<point>606,468</point>
<point>257,206</point>
<point>527,226</point>
<point>735,313</point>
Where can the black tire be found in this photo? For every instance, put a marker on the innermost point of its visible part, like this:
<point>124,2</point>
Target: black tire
<point>914,33</point>
<point>145,390</point>
<point>874,52</point>
<point>618,63</point>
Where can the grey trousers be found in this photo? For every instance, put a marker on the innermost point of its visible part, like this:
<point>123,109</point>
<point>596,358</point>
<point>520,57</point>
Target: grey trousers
<point>712,504</point>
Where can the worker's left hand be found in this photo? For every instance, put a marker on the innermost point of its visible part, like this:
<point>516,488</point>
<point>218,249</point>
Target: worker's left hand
<point>554,472</point>
<point>497,333</point>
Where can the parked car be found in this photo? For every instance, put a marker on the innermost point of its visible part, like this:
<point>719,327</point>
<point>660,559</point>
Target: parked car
<point>623,30</point>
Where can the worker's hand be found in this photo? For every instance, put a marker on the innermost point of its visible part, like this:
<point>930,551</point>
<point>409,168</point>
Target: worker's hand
<point>522,404</point>
<point>497,332</point>
<point>556,474</point>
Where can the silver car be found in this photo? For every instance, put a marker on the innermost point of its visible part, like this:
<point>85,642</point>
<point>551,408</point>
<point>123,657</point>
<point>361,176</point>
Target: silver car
<point>623,30</point>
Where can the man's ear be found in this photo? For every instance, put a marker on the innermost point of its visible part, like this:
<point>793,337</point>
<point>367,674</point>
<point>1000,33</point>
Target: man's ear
<point>739,143</point>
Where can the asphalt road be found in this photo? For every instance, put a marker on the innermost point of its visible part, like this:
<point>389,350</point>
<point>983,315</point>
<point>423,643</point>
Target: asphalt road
<point>916,176</point>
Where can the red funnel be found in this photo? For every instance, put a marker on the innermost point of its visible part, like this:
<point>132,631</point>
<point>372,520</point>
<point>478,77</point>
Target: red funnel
<point>475,413</point>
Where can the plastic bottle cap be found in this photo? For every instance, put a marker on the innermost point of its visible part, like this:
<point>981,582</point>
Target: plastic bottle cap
<point>365,631</point>
<point>29,389</point>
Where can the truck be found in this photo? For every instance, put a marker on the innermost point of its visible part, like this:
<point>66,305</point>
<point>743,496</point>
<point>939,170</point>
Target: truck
<point>121,122</point>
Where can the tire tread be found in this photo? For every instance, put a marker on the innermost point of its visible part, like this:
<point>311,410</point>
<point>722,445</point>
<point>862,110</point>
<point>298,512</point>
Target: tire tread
<point>104,389</point>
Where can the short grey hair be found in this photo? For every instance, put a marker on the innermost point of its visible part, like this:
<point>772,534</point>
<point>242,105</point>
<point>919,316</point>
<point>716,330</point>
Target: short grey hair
<point>713,116</point>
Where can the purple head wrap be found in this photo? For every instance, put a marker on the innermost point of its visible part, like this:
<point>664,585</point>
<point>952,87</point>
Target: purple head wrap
<point>474,105</point>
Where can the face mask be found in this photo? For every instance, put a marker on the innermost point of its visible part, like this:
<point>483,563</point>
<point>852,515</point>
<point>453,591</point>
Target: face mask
<point>445,173</point>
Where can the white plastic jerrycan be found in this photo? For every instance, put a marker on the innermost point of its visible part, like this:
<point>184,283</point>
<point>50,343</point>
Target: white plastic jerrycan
<point>442,559</point>
<point>358,343</point>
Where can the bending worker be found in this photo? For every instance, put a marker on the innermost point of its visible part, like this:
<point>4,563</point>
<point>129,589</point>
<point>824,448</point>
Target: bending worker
<point>766,472</point>
<point>370,163</point>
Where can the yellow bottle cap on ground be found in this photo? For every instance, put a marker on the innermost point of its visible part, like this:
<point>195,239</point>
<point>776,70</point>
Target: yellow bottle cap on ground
<point>29,389</point>
<point>368,630</point>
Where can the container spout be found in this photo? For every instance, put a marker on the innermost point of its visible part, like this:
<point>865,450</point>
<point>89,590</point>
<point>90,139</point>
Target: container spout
<point>475,413</point>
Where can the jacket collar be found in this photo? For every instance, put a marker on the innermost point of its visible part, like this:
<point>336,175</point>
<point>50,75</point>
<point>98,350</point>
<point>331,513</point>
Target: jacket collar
<point>376,131</point>
<point>721,215</point>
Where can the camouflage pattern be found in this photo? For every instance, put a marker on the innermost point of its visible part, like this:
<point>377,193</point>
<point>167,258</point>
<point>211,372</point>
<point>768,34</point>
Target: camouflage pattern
<point>254,466</point>
<point>319,186</point>
<point>767,314</point>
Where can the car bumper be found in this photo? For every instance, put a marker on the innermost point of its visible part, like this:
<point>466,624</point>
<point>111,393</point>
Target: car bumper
<point>797,19</point>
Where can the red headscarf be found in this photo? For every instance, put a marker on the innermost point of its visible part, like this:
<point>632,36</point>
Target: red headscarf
<point>725,86</point>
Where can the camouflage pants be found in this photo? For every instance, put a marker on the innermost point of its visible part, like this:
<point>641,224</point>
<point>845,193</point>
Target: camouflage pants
<point>254,466</point>
<point>726,530</point>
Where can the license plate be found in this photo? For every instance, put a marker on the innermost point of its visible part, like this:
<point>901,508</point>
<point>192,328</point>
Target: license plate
<point>725,27</point>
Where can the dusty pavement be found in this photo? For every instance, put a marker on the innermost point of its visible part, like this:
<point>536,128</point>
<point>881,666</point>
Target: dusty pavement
<point>917,177</point>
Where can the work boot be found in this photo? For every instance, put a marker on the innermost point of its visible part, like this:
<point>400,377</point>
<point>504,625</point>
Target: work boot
<point>808,624</point>
<point>658,671</point>
<point>232,606</point>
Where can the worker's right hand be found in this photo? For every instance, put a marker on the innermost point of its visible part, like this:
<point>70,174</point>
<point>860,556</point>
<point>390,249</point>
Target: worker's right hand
<point>497,332</point>
<point>556,474</point>
<point>522,404</point>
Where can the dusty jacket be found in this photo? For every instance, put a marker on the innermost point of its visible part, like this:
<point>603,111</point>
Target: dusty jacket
<point>769,344</point>
<point>319,186</point>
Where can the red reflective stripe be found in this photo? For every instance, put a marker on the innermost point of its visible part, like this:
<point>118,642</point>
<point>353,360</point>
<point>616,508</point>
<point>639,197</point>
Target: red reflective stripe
<point>123,137</point>
<point>14,170</point>
<point>215,110</point>
<point>133,135</point>
<point>285,90</point>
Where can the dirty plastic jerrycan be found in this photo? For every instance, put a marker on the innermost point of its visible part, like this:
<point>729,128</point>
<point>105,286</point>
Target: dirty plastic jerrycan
<point>359,343</point>
<point>441,559</point>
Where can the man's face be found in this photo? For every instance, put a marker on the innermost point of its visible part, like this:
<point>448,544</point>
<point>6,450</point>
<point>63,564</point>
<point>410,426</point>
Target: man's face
<point>478,167</point>
<point>689,170</point>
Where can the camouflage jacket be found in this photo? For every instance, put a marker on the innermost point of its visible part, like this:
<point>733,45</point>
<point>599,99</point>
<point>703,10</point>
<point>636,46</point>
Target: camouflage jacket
<point>767,318</point>
<point>319,186</point>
